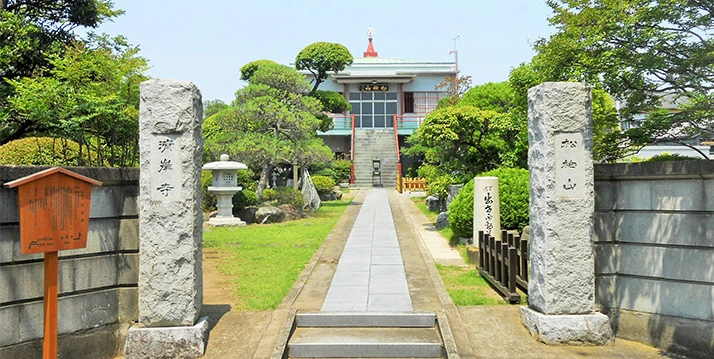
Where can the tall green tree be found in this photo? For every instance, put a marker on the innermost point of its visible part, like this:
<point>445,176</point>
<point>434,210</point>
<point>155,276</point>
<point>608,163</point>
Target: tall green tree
<point>30,32</point>
<point>271,121</point>
<point>640,52</point>
<point>90,95</point>
<point>608,141</point>
<point>212,107</point>
<point>321,58</point>
<point>461,140</point>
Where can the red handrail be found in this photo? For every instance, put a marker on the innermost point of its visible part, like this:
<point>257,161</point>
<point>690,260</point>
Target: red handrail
<point>352,152</point>
<point>399,162</point>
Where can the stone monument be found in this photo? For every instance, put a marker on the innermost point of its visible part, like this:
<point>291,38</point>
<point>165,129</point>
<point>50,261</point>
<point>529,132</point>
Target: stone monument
<point>170,224</point>
<point>487,208</point>
<point>561,290</point>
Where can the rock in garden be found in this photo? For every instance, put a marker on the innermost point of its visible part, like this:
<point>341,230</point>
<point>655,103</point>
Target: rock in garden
<point>435,204</point>
<point>291,213</point>
<point>526,235</point>
<point>337,193</point>
<point>442,221</point>
<point>269,214</point>
<point>453,191</point>
<point>247,214</point>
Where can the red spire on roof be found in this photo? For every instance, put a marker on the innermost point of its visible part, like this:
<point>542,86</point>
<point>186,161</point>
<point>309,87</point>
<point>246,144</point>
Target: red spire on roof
<point>370,48</point>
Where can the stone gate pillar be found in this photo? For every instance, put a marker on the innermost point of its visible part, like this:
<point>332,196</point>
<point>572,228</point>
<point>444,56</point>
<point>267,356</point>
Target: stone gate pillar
<point>561,289</point>
<point>170,224</point>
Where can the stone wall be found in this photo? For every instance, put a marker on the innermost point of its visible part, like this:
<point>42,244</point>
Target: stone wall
<point>97,284</point>
<point>654,246</point>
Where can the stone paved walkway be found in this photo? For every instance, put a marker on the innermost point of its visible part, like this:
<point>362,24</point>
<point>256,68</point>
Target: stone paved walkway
<point>370,275</point>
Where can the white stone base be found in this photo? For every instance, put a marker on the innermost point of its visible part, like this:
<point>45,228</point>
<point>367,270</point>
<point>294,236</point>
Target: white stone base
<point>577,329</point>
<point>167,342</point>
<point>225,221</point>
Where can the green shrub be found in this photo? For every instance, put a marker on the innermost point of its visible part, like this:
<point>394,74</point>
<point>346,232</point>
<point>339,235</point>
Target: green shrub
<point>269,194</point>
<point>666,156</point>
<point>437,182</point>
<point>290,195</point>
<point>326,172</point>
<point>343,169</point>
<point>323,184</point>
<point>42,151</point>
<point>245,198</point>
<point>209,199</point>
<point>513,192</point>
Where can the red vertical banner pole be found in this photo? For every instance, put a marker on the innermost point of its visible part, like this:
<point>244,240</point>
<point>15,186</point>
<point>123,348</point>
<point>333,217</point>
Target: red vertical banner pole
<point>49,347</point>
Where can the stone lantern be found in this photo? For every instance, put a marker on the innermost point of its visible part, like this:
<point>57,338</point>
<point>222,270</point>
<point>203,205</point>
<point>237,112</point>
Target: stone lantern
<point>224,186</point>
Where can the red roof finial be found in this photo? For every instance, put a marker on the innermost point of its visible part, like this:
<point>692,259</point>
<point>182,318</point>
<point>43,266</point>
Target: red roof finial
<point>370,48</point>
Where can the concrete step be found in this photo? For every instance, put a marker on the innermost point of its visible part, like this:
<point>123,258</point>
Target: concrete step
<point>367,319</point>
<point>359,342</point>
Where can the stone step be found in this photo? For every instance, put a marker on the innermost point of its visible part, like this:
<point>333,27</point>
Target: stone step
<point>367,319</point>
<point>359,342</point>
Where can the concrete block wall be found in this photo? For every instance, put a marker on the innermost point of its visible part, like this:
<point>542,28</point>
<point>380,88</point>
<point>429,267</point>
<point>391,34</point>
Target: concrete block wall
<point>97,284</point>
<point>654,248</point>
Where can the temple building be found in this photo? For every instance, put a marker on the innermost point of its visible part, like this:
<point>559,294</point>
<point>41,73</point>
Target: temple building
<point>390,98</point>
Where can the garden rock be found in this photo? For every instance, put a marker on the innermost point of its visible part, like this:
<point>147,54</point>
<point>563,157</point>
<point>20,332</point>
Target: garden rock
<point>526,235</point>
<point>247,214</point>
<point>435,204</point>
<point>337,193</point>
<point>452,193</point>
<point>269,214</point>
<point>329,196</point>
<point>442,221</point>
<point>291,213</point>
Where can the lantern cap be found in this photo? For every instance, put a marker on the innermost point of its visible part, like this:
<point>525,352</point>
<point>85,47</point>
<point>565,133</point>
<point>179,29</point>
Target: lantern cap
<point>225,164</point>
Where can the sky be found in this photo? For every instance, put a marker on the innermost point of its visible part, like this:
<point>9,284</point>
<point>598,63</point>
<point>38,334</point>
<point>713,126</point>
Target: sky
<point>207,42</point>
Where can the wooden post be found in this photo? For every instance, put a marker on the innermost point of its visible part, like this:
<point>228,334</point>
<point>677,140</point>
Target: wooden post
<point>296,168</point>
<point>49,344</point>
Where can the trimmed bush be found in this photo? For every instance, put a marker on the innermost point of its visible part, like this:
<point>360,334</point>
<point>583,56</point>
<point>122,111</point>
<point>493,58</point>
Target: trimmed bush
<point>42,151</point>
<point>666,156</point>
<point>326,172</point>
<point>513,190</point>
<point>269,194</point>
<point>245,198</point>
<point>289,195</point>
<point>323,184</point>
<point>209,199</point>
<point>343,169</point>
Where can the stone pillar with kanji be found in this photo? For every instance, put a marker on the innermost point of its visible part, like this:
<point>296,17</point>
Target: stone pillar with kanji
<point>170,223</point>
<point>561,288</point>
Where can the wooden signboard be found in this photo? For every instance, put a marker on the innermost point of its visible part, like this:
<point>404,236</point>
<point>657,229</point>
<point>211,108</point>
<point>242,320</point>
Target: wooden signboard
<point>54,215</point>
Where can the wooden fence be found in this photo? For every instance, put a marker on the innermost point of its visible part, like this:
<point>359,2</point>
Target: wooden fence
<point>411,184</point>
<point>504,263</point>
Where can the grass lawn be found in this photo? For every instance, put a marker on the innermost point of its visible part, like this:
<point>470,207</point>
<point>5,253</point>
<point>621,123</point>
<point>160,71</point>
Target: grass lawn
<point>465,285</point>
<point>265,260</point>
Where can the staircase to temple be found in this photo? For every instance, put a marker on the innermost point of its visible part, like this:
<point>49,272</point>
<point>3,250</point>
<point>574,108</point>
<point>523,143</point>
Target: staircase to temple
<point>369,145</point>
<point>365,335</point>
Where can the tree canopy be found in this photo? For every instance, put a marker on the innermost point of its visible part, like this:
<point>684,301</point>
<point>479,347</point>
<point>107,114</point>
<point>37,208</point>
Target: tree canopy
<point>31,32</point>
<point>271,121</point>
<point>90,95</point>
<point>642,52</point>
<point>320,58</point>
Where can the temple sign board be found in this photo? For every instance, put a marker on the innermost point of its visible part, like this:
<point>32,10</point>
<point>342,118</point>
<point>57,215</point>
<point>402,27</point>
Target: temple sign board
<point>54,216</point>
<point>54,210</point>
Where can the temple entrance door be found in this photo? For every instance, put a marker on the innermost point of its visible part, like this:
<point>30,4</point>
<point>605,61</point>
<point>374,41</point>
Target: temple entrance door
<point>374,109</point>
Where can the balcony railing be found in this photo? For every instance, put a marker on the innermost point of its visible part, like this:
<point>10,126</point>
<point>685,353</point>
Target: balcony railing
<point>405,124</point>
